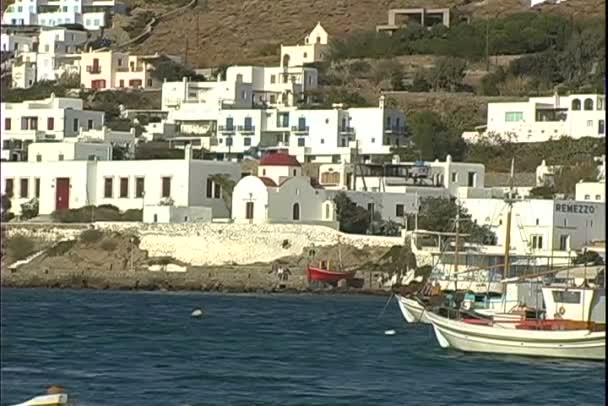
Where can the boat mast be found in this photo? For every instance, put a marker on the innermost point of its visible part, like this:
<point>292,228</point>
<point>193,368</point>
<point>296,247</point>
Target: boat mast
<point>457,240</point>
<point>509,201</point>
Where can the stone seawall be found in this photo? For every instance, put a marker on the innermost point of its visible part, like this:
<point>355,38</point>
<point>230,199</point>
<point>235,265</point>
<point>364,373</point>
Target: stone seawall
<point>217,244</point>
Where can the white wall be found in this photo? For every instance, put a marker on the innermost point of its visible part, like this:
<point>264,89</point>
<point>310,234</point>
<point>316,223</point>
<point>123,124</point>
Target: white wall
<point>68,151</point>
<point>250,189</point>
<point>591,191</point>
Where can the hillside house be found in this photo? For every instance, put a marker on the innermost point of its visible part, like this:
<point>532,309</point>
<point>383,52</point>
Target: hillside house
<point>92,14</point>
<point>313,50</point>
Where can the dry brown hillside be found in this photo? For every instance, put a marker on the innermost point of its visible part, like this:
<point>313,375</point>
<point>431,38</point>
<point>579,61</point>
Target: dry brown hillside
<point>243,31</point>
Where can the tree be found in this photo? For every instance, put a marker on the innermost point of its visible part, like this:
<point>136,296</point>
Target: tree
<point>227,184</point>
<point>439,214</point>
<point>588,257</point>
<point>447,74</point>
<point>542,192</point>
<point>29,209</point>
<point>352,218</point>
<point>432,137</point>
<point>166,68</point>
<point>5,202</point>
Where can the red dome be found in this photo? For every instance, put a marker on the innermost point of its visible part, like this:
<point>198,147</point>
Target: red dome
<point>279,159</point>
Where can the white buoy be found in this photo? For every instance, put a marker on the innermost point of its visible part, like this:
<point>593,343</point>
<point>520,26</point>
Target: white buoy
<point>390,332</point>
<point>197,313</point>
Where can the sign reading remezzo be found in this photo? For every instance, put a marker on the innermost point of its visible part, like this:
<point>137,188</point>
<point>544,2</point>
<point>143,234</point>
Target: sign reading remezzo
<point>574,208</point>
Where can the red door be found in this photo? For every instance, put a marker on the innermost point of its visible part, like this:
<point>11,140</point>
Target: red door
<point>62,196</point>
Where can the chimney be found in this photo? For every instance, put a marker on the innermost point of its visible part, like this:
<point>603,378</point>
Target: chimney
<point>556,99</point>
<point>448,159</point>
<point>188,152</point>
<point>381,102</point>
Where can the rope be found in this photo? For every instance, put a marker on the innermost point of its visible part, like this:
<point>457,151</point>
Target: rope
<point>386,305</point>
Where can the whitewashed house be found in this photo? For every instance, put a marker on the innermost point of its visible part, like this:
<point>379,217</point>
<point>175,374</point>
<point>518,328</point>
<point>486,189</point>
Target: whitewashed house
<point>55,118</point>
<point>432,178</point>
<point>92,14</point>
<point>135,184</point>
<point>542,226</point>
<point>543,118</point>
<point>51,56</point>
<point>106,70</point>
<point>313,50</point>
<point>68,151</point>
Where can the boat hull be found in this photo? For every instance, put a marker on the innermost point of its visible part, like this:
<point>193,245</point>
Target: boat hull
<point>322,275</point>
<point>412,311</point>
<point>576,344</point>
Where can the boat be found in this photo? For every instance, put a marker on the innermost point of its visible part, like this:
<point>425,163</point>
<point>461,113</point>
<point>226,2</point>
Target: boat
<point>413,311</point>
<point>543,338</point>
<point>58,399</point>
<point>317,274</point>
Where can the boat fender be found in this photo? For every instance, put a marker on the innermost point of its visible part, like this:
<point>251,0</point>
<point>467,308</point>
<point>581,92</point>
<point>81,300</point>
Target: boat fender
<point>197,313</point>
<point>390,332</point>
<point>561,310</point>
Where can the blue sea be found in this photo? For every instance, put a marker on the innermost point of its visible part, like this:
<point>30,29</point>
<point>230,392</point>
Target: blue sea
<point>136,348</point>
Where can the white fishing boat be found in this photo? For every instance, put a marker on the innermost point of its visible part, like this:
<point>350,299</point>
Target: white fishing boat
<point>413,311</point>
<point>59,399</point>
<point>579,343</point>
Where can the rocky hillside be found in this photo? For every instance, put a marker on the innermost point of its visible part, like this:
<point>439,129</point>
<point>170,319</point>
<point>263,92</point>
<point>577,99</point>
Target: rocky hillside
<point>251,31</point>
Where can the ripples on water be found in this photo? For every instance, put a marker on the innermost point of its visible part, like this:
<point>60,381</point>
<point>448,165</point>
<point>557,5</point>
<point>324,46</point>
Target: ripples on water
<point>119,348</point>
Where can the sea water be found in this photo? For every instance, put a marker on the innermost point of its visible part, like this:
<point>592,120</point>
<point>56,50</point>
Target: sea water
<point>136,348</point>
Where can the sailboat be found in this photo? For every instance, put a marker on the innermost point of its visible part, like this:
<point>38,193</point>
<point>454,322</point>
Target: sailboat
<point>568,332</point>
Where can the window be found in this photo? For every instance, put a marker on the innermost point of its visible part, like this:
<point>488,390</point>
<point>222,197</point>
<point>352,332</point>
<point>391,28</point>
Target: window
<point>454,176</point>
<point>229,141</point>
<point>124,187</point>
<point>600,103</point>
<point>399,210</point>
<point>217,191</point>
<point>598,197</point>
<point>24,187</point>
<point>296,211</point>
<point>248,124</point>
<point>589,123</point>
<point>7,123</point>
<point>139,187</point>
<point>229,123</point>
<point>209,188</point>
<point>38,158</point>
<point>60,157</point>
<point>301,142</point>
<point>302,123</point>
<point>273,99</point>
<point>563,242</point>
<point>537,242</point>
<point>537,222</point>
<point>37,188</point>
<point>514,116</point>
<point>587,197</point>
<point>566,296</point>
<point>576,104</point>
<point>249,210</point>
<point>472,179</point>
<point>149,83</point>
<point>322,141</point>
<point>50,123</point>
<point>588,104</point>
<point>370,209</point>
<point>273,78</point>
<point>247,141</point>
<point>166,187</point>
<point>75,125</point>
<point>373,140</point>
<point>107,188</point>
<point>121,83</point>
<point>600,127</point>
<point>330,178</point>
<point>90,124</point>
<point>8,187</point>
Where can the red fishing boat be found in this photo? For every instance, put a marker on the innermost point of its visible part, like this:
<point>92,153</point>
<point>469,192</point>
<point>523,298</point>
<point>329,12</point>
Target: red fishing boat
<point>324,275</point>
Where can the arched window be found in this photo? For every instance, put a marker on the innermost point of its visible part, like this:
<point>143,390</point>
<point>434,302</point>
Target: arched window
<point>296,211</point>
<point>286,60</point>
<point>576,104</point>
<point>327,209</point>
<point>588,104</point>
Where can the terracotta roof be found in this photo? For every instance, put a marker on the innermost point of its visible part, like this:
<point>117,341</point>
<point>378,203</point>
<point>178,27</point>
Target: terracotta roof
<point>268,181</point>
<point>279,159</point>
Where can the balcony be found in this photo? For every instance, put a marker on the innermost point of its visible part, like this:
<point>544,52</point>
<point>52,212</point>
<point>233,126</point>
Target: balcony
<point>93,69</point>
<point>226,129</point>
<point>395,130</point>
<point>347,131</point>
<point>246,129</point>
<point>299,130</point>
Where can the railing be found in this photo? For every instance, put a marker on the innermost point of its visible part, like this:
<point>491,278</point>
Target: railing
<point>299,130</point>
<point>226,129</point>
<point>93,69</point>
<point>347,131</point>
<point>400,130</point>
<point>246,129</point>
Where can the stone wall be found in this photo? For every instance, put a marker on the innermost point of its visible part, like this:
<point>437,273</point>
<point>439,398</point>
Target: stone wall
<point>218,244</point>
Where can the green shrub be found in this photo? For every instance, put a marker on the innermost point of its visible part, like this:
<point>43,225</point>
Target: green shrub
<point>91,236</point>
<point>20,247</point>
<point>132,215</point>
<point>109,244</point>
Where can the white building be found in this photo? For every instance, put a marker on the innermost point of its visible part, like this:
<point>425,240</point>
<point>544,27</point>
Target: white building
<point>92,14</point>
<point>313,49</point>
<point>55,118</point>
<point>425,178</point>
<point>105,70</point>
<point>62,185</point>
<point>543,118</point>
<point>68,151</point>
<point>50,55</point>
<point>591,191</point>
<point>280,194</point>
<point>542,226</point>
